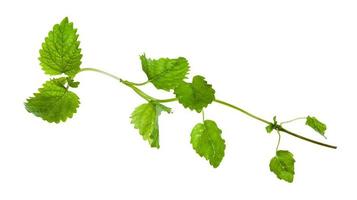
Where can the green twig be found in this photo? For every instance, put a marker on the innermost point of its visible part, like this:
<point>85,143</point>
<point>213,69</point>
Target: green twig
<point>138,84</point>
<point>280,128</point>
<point>149,98</point>
<point>241,110</point>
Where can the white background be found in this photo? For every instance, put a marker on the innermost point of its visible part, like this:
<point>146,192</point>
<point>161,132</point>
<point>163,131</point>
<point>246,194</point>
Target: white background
<point>284,58</point>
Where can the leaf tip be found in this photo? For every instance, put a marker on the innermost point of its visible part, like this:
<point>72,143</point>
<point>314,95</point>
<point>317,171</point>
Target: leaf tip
<point>64,20</point>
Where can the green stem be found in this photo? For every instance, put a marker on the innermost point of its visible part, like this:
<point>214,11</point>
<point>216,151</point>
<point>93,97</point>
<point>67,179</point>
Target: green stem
<point>130,85</point>
<point>280,128</point>
<point>149,98</point>
<point>241,110</point>
<point>102,72</point>
<point>138,91</point>
<point>138,84</point>
<point>305,138</point>
<point>166,100</point>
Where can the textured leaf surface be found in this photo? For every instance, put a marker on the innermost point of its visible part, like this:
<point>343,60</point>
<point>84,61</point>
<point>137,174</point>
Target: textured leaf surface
<point>60,52</point>
<point>207,141</point>
<point>165,73</point>
<point>145,118</point>
<point>53,102</point>
<point>318,126</point>
<point>196,95</point>
<point>283,165</point>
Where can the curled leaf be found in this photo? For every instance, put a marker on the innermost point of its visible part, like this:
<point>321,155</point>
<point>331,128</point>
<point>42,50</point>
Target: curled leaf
<point>315,124</point>
<point>146,119</point>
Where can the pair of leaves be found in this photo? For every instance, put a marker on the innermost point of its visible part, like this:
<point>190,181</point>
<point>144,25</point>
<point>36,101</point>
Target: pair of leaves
<point>145,118</point>
<point>206,137</point>
<point>282,165</point>
<point>169,74</point>
<point>60,54</point>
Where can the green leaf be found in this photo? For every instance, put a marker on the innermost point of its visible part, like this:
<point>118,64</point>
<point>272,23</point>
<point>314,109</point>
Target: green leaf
<point>72,83</point>
<point>269,128</point>
<point>206,140</point>
<point>283,165</point>
<point>60,52</point>
<point>165,73</point>
<point>318,126</point>
<point>272,126</point>
<point>196,95</point>
<point>53,102</point>
<point>145,118</point>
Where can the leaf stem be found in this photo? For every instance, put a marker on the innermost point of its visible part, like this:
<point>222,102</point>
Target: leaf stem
<point>289,121</point>
<point>131,85</point>
<point>138,84</point>
<point>138,91</point>
<point>166,100</point>
<point>279,137</point>
<point>241,110</point>
<point>102,72</point>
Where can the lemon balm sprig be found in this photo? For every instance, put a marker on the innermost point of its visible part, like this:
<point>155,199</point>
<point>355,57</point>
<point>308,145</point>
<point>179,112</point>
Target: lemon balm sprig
<point>55,101</point>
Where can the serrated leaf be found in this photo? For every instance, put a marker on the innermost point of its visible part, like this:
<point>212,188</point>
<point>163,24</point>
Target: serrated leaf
<point>165,73</point>
<point>315,124</point>
<point>196,95</point>
<point>60,52</point>
<point>207,141</point>
<point>283,165</point>
<point>145,118</point>
<point>53,102</point>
